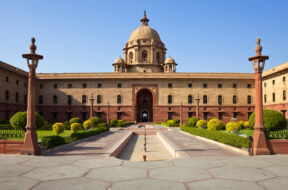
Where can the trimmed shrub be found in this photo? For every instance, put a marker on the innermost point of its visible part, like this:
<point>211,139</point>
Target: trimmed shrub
<point>214,125</point>
<point>170,122</point>
<point>226,138</point>
<point>246,125</point>
<point>176,121</point>
<point>157,123</point>
<point>85,134</point>
<point>75,120</point>
<point>233,127</point>
<point>241,123</point>
<point>88,124</point>
<point>95,120</point>
<point>121,121</point>
<point>52,141</point>
<point>58,128</point>
<point>201,124</point>
<point>192,121</point>
<point>19,120</point>
<point>75,127</point>
<point>102,125</point>
<point>273,120</point>
<point>113,121</point>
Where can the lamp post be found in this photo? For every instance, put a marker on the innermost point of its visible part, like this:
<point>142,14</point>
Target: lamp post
<point>181,120</point>
<point>197,105</point>
<point>91,105</point>
<point>108,114</point>
<point>259,139</point>
<point>31,146</point>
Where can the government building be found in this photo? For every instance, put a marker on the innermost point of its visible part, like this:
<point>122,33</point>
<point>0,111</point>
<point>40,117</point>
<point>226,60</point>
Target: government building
<point>144,87</point>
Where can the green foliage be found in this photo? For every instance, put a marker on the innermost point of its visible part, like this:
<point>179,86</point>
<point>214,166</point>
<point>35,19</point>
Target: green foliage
<point>75,120</point>
<point>85,134</point>
<point>19,120</point>
<point>226,138</point>
<point>233,127</point>
<point>88,124</point>
<point>102,125</point>
<point>170,122</point>
<point>273,120</point>
<point>52,141</point>
<point>157,123</point>
<point>113,121</point>
<point>75,127</point>
<point>214,125</point>
<point>201,124</point>
<point>95,120</point>
<point>58,128</point>
<point>193,121</point>
<point>246,125</point>
<point>176,121</point>
<point>241,123</point>
<point>121,121</point>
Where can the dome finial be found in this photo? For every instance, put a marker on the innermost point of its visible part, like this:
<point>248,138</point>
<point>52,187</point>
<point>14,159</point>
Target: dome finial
<point>33,47</point>
<point>144,20</point>
<point>258,47</point>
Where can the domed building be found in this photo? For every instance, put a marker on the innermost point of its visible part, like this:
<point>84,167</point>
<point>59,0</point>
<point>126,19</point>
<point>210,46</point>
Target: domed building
<point>144,87</point>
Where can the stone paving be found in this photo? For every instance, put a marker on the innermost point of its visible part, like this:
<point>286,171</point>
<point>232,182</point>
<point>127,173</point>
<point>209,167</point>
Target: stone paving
<point>88,171</point>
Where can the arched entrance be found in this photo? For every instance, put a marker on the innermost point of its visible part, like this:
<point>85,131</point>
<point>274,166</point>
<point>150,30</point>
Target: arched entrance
<point>144,106</point>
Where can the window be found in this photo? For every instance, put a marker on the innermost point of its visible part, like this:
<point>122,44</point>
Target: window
<point>170,116</point>
<point>273,82</point>
<point>144,56</point>
<point>169,99</point>
<point>84,85</point>
<point>99,99</point>
<point>131,57</point>
<point>273,97</point>
<point>17,97</point>
<point>55,99</point>
<point>220,115</point>
<point>69,85</point>
<point>248,85</point>
<point>119,85</point>
<point>249,99</point>
<point>55,85</point>
<point>69,100</point>
<point>204,99</point>
<point>69,115</point>
<point>190,85</point>
<point>204,85</point>
<point>98,114</point>
<point>7,79</point>
<point>264,84</point>
<point>99,85</point>
<point>249,113</point>
<point>284,79</point>
<point>119,99</point>
<point>284,95</point>
<point>6,95</point>
<point>190,114</point>
<point>234,99</point>
<point>84,116</point>
<point>54,116</point>
<point>234,85</point>
<point>17,82</point>
<point>219,99</point>
<point>170,85</point>
<point>235,114</point>
<point>7,115</point>
<point>265,98</point>
<point>205,116</point>
<point>40,99</point>
<point>40,86</point>
<point>25,84</point>
<point>219,85</point>
<point>158,57</point>
<point>84,99</point>
<point>190,99</point>
<point>118,115</point>
<point>25,98</point>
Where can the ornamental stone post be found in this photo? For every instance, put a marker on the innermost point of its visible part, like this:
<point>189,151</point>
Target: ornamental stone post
<point>197,105</point>
<point>91,105</point>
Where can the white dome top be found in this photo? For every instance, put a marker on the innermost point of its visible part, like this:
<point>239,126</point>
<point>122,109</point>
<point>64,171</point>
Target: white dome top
<point>169,60</point>
<point>144,32</point>
<point>119,60</point>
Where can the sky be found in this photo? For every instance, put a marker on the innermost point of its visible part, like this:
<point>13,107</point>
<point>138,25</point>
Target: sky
<point>88,35</point>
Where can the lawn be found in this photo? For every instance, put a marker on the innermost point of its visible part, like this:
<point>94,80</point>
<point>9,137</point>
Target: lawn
<point>42,134</point>
<point>247,132</point>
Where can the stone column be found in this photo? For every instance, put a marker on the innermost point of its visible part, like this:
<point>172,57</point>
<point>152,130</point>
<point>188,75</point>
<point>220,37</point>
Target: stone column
<point>91,105</point>
<point>197,105</point>
<point>181,119</point>
<point>108,113</point>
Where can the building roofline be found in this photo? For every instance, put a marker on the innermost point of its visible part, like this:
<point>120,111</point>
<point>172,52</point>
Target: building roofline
<point>275,69</point>
<point>13,69</point>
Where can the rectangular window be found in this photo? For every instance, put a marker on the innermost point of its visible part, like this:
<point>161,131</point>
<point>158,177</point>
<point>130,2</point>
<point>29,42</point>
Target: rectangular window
<point>264,84</point>
<point>190,114</point>
<point>7,79</point>
<point>84,116</point>
<point>220,115</point>
<point>248,85</point>
<point>205,116</point>
<point>98,114</point>
<point>170,115</point>
<point>219,85</point>
<point>69,85</point>
<point>284,79</point>
<point>17,82</point>
<point>118,115</point>
<point>235,114</point>
<point>69,115</point>
<point>54,116</point>
<point>25,84</point>
<point>84,85</point>
<point>273,82</point>
<point>7,115</point>
<point>190,85</point>
<point>169,85</point>
<point>205,85</point>
<point>40,86</point>
<point>119,85</point>
<point>99,85</point>
<point>234,85</point>
<point>55,85</point>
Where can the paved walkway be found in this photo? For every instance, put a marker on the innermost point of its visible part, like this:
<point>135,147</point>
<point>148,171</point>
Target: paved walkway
<point>78,171</point>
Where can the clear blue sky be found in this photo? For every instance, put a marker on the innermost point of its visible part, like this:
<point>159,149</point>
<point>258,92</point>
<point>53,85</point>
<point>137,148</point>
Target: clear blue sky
<point>87,36</point>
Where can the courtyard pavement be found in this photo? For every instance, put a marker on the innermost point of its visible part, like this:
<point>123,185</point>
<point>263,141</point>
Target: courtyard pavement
<point>80,171</point>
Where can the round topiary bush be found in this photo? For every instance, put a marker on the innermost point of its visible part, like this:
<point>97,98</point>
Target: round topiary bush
<point>88,124</point>
<point>75,120</point>
<point>95,120</point>
<point>171,122</point>
<point>246,125</point>
<point>19,120</point>
<point>113,121</point>
<point>58,128</point>
<point>233,127</point>
<point>273,120</point>
<point>201,124</point>
<point>214,125</point>
<point>192,121</point>
<point>241,124</point>
<point>75,127</point>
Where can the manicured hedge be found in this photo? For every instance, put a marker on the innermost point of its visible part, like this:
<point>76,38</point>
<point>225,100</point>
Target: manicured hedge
<point>226,138</point>
<point>88,133</point>
<point>170,124</point>
<point>52,141</point>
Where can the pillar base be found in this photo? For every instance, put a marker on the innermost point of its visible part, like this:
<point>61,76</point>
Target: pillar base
<point>261,151</point>
<point>31,146</point>
<point>259,142</point>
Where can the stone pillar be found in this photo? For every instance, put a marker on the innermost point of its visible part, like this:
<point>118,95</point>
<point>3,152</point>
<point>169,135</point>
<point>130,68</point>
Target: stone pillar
<point>197,105</point>
<point>91,105</point>
<point>108,113</point>
<point>181,118</point>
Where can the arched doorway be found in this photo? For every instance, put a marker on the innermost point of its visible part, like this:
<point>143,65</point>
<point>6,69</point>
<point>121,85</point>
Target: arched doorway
<point>144,106</point>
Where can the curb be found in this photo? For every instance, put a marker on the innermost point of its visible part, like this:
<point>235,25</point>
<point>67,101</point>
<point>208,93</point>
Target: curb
<point>228,147</point>
<point>115,150</point>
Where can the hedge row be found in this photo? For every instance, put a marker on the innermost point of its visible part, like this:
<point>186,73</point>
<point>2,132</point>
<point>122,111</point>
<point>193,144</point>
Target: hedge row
<point>52,141</point>
<point>226,138</point>
<point>170,124</point>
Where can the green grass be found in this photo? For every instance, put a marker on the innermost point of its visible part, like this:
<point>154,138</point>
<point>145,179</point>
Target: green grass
<point>247,132</point>
<point>42,134</point>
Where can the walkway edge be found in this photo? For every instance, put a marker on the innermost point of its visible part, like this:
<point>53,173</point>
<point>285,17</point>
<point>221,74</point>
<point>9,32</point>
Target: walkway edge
<point>228,147</point>
<point>115,150</point>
